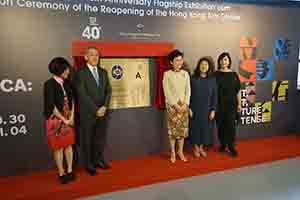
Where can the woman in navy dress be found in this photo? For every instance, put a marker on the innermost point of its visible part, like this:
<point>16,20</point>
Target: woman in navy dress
<point>203,105</point>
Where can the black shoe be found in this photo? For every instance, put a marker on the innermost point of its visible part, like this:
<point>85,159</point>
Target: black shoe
<point>71,176</point>
<point>63,179</point>
<point>91,172</point>
<point>233,153</point>
<point>103,165</point>
<point>222,148</point>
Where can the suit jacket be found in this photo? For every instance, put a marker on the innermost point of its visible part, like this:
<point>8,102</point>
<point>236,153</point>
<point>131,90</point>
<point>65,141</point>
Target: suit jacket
<point>91,97</point>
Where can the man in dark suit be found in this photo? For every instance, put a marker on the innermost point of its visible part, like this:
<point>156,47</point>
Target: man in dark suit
<point>94,93</point>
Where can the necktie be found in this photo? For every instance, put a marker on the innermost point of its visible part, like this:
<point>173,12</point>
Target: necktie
<point>96,76</point>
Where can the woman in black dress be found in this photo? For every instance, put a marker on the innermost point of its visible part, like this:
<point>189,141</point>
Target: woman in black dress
<point>203,105</point>
<point>229,104</point>
<point>59,115</point>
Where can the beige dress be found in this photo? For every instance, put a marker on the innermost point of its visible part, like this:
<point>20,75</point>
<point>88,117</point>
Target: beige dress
<point>176,85</point>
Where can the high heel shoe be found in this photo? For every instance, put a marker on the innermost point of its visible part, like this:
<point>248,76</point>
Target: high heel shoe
<point>71,176</point>
<point>182,157</point>
<point>173,158</point>
<point>63,179</point>
<point>233,152</point>
<point>196,154</point>
<point>203,153</point>
<point>222,149</point>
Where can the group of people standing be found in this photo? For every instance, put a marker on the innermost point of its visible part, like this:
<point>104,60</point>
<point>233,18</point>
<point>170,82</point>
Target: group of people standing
<point>93,91</point>
<point>194,102</point>
<point>202,98</point>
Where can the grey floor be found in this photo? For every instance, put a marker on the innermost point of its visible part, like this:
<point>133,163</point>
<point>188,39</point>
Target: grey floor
<point>278,180</point>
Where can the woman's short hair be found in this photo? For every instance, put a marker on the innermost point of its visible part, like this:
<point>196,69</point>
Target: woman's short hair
<point>174,54</point>
<point>223,55</point>
<point>211,66</point>
<point>58,65</point>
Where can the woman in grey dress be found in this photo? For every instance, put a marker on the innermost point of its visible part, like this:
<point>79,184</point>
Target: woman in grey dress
<point>203,105</point>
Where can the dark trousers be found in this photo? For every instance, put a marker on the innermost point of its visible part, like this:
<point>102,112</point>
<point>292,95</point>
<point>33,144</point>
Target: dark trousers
<point>93,140</point>
<point>227,132</point>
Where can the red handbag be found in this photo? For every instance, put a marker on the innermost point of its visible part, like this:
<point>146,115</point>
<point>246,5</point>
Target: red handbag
<point>54,126</point>
<point>59,135</point>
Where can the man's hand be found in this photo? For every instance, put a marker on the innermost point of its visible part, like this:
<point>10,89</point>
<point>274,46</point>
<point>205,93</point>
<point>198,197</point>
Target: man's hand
<point>212,115</point>
<point>101,111</point>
